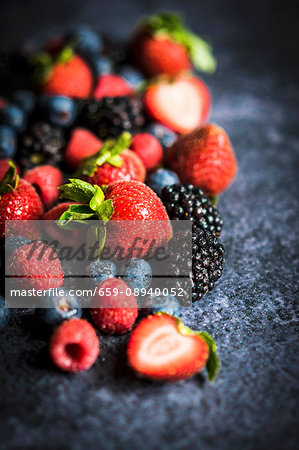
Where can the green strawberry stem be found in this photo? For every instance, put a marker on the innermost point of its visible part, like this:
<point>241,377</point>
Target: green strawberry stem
<point>213,362</point>
<point>109,153</point>
<point>171,25</point>
<point>10,180</point>
<point>92,203</point>
<point>43,63</point>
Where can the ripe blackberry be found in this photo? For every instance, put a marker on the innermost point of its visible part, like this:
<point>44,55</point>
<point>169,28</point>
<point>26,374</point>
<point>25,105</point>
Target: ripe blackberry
<point>187,202</point>
<point>110,116</point>
<point>206,265</point>
<point>41,143</point>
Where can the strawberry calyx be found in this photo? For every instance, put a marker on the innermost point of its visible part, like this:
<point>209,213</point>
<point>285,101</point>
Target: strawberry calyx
<point>43,62</point>
<point>171,26</point>
<point>92,203</point>
<point>213,362</point>
<point>10,180</point>
<point>109,153</point>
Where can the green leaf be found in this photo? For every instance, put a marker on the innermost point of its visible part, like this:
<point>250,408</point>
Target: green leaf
<point>105,210</point>
<point>64,219</point>
<point>81,212</point>
<point>65,55</point>
<point>214,199</point>
<point>213,363</point>
<point>171,25</point>
<point>77,190</point>
<point>10,179</point>
<point>97,199</point>
<point>116,161</point>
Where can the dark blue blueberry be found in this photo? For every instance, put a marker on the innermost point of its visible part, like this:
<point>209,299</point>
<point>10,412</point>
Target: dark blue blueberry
<point>25,99</point>
<point>133,76</point>
<point>13,116</point>
<point>8,142</point>
<point>14,242</point>
<point>103,65</point>
<point>160,178</point>
<point>100,271</point>
<point>138,274</point>
<point>165,136</point>
<point>58,309</point>
<point>85,40</point>
<point>61,110</point>
<point>165,303</point>
<point>4,313</point>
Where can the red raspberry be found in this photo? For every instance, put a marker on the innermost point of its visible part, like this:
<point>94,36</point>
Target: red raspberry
<point>108,313</point>
<point>39,266</point>
<point>148,148</point>
<point>82,144</point>
<point>112,86</point>
<point>74,346</point>
<point>46,179</point>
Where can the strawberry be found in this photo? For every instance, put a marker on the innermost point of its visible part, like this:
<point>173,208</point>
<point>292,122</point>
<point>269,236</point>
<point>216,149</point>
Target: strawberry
<point>81,145</point>
<point>148,148</point>
<point>56,211</point>
<point>46,179</point>
<point>113,162</point>
<point>18,199</point>
<point>181,104</point>
<point>132,201</point>
<point>111,85</point>
<point>114,307</point>
<point>4,166</point>
<point>161,348</point>
<point>204,158</point>
<point>36,265</point>
<point>64,74</point>
<point>163,45</point>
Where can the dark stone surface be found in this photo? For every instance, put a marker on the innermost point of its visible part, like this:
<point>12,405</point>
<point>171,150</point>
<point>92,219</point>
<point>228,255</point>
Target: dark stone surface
<point>252,311</point>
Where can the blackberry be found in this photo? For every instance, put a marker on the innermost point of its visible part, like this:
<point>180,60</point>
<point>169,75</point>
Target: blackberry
<point>206,264</point>
<point>187,202</point>
<point>110,116</point>
<point>41,143</point>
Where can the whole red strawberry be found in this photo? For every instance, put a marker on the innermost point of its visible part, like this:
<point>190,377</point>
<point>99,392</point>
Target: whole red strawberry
<point>180,104</point>
<point>204,158</point>
<point>66,74</point>
<point>148,148</point>
<point>47,180</point>
<point>74,346</point>
<point>161,348</point>
<point>113,162</point>
<point>163,45</point>
<point>18,200</point>
<point>81,145</point>
<point>116,313</point>
<point>36,265</point>
<point>112,86</point>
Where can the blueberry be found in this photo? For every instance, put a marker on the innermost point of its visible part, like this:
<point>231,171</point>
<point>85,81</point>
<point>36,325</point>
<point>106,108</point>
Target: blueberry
<point>160,178</point>
<point>85,40</point>
<point>14,242</point>
<point>100,271</point>
<point>25,99</point>
<point>103,65</point>
<point>138,274</point>
<point>61,110</point>
<point>133,76</point>
<point>4,313</point>
<point>165,136</point>
<point>8,142</point>
<point>13,116</point>
<point>58,309</point>
<point>165,303</point>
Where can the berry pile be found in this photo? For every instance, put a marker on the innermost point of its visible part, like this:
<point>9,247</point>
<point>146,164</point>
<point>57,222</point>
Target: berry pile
<point>141,150</point>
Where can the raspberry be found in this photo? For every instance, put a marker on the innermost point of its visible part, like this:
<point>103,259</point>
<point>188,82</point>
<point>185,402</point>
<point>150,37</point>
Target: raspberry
<point>46,180</point>
<point>111,317</point>
<point>148,148</point>
<point>74,346</point>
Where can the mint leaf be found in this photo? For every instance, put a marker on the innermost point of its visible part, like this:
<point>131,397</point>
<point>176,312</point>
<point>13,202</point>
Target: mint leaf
<point>105,210</point>
<point>97,199</point>
<point>77,190</point>
<point>213,363</point>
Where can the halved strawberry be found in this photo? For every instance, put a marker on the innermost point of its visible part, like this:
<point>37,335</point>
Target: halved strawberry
<point>163,349</point>
<point>181,105</point>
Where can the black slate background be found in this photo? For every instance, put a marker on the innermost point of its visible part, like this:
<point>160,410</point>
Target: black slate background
<point>251,313</point>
